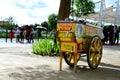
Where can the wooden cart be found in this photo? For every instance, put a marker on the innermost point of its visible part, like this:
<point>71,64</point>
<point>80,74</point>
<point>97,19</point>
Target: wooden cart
<point>76,39</point>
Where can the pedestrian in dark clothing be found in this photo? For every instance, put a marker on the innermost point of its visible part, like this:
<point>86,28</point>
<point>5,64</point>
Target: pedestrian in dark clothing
<point>21,35</point>
<point>18,34</point>
<point>31,35</point>
<point>105,32</point>
<point>111,34</point>
<point>116,38</point>
<point>39,34</point>
<point>28,30</point>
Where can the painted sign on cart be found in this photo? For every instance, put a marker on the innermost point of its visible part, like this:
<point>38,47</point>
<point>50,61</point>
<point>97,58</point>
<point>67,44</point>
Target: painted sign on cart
<point>70,47</point>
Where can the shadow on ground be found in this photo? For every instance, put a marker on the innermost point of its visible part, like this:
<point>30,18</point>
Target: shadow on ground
<point>103,64</point>
<point>44,72</point>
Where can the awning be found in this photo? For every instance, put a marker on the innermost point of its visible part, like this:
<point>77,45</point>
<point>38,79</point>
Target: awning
<point>108,15</point>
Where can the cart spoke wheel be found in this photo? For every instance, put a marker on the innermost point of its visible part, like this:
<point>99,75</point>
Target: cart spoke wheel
<point>94,54</point>
<point>92,49</point>
<point>69,58</point>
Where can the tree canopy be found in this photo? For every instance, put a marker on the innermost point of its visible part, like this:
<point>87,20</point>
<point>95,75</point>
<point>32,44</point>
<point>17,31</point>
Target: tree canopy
<point>52,21</point>
<point>83,7</point>
<point>10,23</point>
<point>44,24</point>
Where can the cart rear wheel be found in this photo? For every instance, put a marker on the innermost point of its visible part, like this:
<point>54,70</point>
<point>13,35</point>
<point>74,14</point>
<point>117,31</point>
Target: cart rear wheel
<point>94,54</point>
<point>69,58</point>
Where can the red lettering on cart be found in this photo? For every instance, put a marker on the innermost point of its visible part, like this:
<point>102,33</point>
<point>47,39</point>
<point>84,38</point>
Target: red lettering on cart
<point>65,28</point>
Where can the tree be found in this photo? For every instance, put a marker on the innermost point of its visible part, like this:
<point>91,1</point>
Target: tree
<point>72,6</point>
<point>84,7</point>
<point>64,9</point>
<point>11,22</point>
<point>44,24</point>
<point>52,21</point>
<point>33,26</point>
<point>8,23</point>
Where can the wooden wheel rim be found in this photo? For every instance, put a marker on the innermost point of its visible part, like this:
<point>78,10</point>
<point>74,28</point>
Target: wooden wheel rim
<point>69,58</point>
<point>94,52</point>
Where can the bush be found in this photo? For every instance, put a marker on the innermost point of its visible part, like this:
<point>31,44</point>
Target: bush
<point>45,47</point>
<point>3,35</point>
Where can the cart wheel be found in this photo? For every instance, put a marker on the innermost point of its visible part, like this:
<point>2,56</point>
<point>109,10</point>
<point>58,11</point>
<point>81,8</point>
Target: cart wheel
<point>94,54</point>
<point>69,58</point>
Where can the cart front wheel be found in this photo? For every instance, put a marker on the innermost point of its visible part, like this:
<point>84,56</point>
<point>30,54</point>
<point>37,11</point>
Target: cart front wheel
<point>69,58</point>
<point>94,54</point>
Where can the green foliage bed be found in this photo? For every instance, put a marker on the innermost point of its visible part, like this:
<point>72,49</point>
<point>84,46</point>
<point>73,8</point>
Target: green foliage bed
<point>46,47</point>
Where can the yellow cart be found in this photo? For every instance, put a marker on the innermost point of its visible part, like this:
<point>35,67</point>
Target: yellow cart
<point>76,39</point>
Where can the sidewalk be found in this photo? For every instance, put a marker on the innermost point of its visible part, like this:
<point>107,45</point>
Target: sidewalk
<point>8,44</point>
<point>111,55</point>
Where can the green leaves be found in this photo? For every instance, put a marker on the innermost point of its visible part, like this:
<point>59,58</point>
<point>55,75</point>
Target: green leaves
<point>84,7</point>
<point>52,20</point>
<point>45,47</point>
<point>8,23</point>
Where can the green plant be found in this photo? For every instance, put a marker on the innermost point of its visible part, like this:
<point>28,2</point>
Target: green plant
<point>3,35</point>
<point>56,48</point>
<point>45,47</point>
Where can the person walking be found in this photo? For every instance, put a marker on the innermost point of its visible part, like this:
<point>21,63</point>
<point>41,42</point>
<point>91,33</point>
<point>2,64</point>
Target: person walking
<point>11,34</point>
<point>111,35</point>
<point>31,35</point>
<point>39,34</point>
<point>116,38</point>
<point>21,35</point>
<point>105,32</point>
<point>18,34</point>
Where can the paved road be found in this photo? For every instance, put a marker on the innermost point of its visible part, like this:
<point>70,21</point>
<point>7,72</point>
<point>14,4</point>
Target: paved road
<point>17,63</point>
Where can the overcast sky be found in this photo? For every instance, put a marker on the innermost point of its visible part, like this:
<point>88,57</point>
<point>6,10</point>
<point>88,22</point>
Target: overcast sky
<point>28,11</point>
<point>31,11</point>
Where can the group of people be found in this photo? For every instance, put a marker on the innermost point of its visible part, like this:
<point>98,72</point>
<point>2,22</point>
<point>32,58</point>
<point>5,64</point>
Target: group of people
<point>25,32</point>
<point>111,35</point>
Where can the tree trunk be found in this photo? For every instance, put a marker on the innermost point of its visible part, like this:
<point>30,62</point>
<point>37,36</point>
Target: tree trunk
<point>64,9</point>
